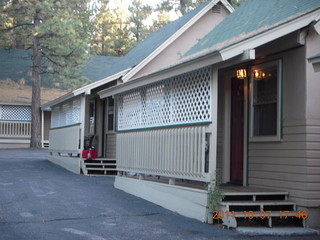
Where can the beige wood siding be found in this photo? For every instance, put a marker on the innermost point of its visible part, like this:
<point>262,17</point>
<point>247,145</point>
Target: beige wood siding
<point>294,163</point>
<point>111,145</point>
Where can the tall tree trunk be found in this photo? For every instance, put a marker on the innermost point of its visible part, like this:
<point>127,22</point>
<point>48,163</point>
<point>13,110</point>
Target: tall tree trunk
<point>36,80</point>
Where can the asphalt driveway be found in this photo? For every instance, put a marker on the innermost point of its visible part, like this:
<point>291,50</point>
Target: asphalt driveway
<point>39,200</point>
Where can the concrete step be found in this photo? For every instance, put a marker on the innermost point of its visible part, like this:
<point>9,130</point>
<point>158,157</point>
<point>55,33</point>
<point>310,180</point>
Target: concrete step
<point>102,169</point>
<point>276,205</point>
<point>99,164</point>
<point>233,219</point>
<point>251,205</point>
<point>99,167</point>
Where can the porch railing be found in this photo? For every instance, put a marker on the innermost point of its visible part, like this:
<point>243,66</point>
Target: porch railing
<point>65,139</point>
<point>176,152</point>
<point>16,129</point>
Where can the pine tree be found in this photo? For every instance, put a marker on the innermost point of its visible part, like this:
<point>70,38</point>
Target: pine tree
<point>56,34</point>
<point>139,13</point>
<point>112,29</point>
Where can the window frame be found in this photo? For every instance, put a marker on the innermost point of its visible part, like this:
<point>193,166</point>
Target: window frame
<point>278,136</point>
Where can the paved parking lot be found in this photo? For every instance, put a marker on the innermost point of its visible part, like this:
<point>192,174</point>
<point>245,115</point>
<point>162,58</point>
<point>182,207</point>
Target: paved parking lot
<point>39,200</point>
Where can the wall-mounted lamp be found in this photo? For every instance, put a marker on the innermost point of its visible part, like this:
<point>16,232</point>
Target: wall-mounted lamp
<point>258,75</point>
<point>242,73</point>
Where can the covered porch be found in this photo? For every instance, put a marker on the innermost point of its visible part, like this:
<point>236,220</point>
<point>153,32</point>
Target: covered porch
<point>81,122</point>
<point>170,141</point>
<point>183,131</point>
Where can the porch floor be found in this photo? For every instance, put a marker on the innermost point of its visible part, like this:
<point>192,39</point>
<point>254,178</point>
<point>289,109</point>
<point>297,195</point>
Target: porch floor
<point>178,182</point>
<point>228,190</point>
<point>240,190</point>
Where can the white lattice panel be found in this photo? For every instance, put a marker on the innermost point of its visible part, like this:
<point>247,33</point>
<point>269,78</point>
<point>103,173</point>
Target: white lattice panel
<point>15,113</point>
<point>183,99</point>
<point>66,114</point>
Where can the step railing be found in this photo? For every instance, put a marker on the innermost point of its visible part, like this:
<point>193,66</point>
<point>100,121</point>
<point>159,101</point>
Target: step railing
<point>16,129</point>
<point>173,152</point>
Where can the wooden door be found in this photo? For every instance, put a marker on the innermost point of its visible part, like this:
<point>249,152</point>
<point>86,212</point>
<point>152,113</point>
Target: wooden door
<point>110,135</point>
<point>237,125</point>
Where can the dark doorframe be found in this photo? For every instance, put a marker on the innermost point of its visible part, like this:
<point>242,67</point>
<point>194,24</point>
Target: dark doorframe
<point>237,131</point>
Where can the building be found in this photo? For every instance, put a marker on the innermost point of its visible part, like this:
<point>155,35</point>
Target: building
<point>82,116</point>
<point>241,103</point>
<point>15,101</point>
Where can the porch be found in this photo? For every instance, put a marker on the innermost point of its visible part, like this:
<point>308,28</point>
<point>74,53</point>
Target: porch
<point>79,123</point>
<point>17,134</point>
<point>241,205</point>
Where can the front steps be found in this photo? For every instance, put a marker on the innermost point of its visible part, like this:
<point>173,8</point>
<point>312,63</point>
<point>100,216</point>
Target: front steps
<point>99,167</point>
<point>257,207</point>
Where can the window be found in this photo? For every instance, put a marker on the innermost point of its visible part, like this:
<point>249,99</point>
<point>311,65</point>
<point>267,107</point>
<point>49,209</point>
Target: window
<point>265,102</point>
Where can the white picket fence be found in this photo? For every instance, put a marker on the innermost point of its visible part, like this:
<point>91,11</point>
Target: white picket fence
<point>16,129</point>
<point>173,152</point>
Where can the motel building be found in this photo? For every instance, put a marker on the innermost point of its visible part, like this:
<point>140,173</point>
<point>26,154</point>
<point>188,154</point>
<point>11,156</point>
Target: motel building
<point>220,98</point>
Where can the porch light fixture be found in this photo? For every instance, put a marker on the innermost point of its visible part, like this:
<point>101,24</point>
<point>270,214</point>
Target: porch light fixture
<point>242,73</point>
<point>258,75</point>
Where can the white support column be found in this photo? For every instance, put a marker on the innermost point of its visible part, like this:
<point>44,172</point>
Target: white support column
<point>42,129</point>
<point>83,120</point>
<point>214,125</point>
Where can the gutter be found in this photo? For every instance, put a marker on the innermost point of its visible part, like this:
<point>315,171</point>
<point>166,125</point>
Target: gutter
<point>215,59</point>
<point>83,90</point>
<point>63,98</point>
<point>87,89</point>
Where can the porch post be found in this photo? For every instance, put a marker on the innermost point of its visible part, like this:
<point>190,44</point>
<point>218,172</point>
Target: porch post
<point>214,126</point>
<point>83,120</point>
<point>42,129</point>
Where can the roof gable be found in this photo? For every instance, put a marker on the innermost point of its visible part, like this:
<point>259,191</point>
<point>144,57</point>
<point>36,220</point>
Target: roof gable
<point>154,40</point>
<point>250,19</point>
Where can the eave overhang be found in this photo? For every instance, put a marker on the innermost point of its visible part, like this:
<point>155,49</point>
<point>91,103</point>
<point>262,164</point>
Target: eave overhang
<point>214,59</point>
<point>84,90</point>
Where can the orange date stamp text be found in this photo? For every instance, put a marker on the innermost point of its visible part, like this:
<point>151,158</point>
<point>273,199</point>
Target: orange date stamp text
<point>260,214</point>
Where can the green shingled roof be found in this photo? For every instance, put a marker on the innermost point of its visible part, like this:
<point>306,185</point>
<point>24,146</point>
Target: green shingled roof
<point>99,67</point>
<point>251,18</point>
<point>17,63</point>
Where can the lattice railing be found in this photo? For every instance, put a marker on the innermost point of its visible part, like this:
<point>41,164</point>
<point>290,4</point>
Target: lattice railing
<point>15,129</point>
<point>176,152</point>
<point>15,113</point>
<point>66,114</point>
<point>183,99</point>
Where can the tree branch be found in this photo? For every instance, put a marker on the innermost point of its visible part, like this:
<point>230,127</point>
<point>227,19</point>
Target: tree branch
<point>51,60</point>
<point>14,27</point>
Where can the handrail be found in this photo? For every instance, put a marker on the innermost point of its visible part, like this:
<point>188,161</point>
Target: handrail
<point>176,153</point>
<point>17,129</point>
